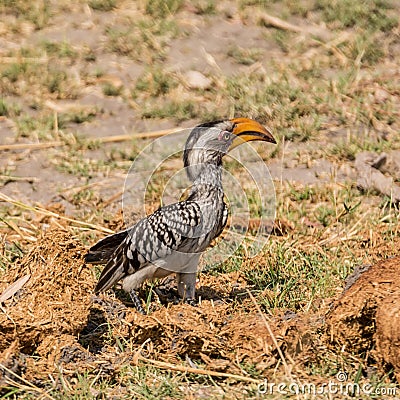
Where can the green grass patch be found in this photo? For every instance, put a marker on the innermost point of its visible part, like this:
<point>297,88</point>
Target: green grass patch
<point>9,109</point>
<point>245,56</point>
<point>59,49</point>
<point>162,8</point>
<point>103,5</point>
<point>38,12</point>
<point>143,40</point>
<point>179,110</point>
<point>372,15</point>
<point>205,7</point>
<point>111,90</point>
<point>45,80</point>
<point>154,82</point>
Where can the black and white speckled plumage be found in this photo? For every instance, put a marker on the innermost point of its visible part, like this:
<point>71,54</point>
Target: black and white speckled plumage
<point>178,232</point>
<point>171,239</point>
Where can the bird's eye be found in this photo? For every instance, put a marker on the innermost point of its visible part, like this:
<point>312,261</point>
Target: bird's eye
<point>227,136</point>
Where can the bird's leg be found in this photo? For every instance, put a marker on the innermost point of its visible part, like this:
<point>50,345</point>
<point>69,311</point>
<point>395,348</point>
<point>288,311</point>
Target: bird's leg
<point>136,301</point>
<point>187,286</point>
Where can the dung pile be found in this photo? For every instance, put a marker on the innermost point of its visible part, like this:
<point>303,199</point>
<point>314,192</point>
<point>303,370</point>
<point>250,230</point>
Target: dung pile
<point>388,332</point>
<point>367,315</point>
<point>52,306</point>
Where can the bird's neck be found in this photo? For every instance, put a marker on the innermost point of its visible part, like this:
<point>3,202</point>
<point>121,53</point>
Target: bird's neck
<point>207,182</point>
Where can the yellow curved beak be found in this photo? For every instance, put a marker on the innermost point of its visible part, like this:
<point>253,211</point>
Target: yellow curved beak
<point>247,130</point>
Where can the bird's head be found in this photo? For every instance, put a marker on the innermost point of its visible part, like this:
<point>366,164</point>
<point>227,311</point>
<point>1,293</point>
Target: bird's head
<point>209,142</point>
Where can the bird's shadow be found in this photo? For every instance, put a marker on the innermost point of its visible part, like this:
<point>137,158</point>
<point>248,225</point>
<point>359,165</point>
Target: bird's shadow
<point>92,336</point>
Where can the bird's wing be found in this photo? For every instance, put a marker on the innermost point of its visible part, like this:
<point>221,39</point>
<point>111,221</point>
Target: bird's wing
<point>170,228</point>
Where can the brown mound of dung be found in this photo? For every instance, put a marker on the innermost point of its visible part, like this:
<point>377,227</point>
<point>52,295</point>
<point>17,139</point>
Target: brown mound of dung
<point>388,332</point>
<point>367,315</point>
<point>53,305</point>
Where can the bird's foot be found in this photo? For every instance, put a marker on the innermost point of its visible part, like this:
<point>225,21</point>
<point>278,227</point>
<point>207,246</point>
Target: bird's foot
<point>136,302</point>
<point>191,302</point>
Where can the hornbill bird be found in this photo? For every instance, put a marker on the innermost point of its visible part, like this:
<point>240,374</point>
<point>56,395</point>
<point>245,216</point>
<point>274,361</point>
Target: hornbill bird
<point>172,239</point>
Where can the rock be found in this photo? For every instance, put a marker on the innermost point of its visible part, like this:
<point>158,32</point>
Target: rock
<point>370,178</point>
<point>196,80</point>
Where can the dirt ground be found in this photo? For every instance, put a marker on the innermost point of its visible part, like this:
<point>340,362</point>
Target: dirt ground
<point>83,83</point>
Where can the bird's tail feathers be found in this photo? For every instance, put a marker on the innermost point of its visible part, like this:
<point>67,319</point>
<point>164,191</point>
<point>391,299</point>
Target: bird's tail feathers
<point>101,252</point>
<point>113,271</point>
